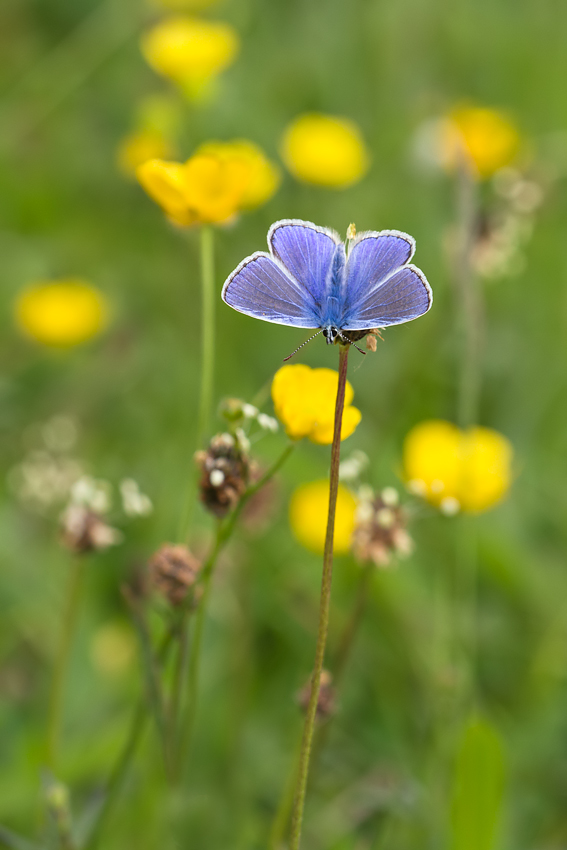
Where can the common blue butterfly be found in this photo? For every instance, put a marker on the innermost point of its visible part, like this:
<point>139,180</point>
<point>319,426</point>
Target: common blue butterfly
<point>307,280</point>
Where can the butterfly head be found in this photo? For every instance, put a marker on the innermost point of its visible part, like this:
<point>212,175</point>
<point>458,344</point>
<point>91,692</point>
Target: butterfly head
<point>331,333</point>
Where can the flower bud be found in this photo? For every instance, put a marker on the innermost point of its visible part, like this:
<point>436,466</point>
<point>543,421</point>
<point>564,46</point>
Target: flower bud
<point>326,699</point>
<point>225,470</point>
<point>172,571</point>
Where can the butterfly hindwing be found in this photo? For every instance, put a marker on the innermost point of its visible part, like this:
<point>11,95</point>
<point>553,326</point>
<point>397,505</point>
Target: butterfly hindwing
<point>381,288</point>
<point>261,287</point>
<point>403,296</point>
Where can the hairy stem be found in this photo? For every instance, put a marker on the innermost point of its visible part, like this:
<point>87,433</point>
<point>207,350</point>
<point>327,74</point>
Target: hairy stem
<point>303,771</point>
<point>70,615</point>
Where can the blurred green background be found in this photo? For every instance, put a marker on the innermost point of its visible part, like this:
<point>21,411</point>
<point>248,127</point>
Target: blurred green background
<point>71,76</point>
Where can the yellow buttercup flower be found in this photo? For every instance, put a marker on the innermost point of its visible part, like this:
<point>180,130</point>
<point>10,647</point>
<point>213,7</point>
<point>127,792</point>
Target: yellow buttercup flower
<point>61,313</point>
<point>220,180</point>
<point>140,146</point>
<point>204,190</point>
<point>189,50</point>
<point>486,137</point>
<point>262,176</point>
<point>304,400</point>
<point>308,511</point>
<point>453,469</point>
<point>325,150</point>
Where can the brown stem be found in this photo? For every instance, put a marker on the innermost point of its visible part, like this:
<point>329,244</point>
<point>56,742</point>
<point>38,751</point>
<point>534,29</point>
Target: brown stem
<point>302,774</point>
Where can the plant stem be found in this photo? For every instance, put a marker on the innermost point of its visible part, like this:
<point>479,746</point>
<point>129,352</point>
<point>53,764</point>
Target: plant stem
<point>124,759</point>
<point>301,788</point>
<point>70,614</point>
<point>207,331</point>
<point>153,684</point>
<point>207,262</point>
<point>469,297</point>
<point>224,532</point>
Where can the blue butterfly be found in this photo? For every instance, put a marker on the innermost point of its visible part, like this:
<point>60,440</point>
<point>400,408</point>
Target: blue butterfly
<point>307,280</point>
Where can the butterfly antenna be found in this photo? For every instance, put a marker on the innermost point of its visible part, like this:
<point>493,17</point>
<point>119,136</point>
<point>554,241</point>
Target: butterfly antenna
<point>346,339</point>
<point>302,344</point>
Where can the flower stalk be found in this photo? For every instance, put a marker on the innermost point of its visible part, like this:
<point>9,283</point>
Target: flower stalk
<point>207,330</point>
<point>309,726</point>
<point>70,616</point>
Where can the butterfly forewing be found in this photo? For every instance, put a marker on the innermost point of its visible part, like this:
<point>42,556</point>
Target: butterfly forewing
<point>261,287</point>
<point>306,251</point>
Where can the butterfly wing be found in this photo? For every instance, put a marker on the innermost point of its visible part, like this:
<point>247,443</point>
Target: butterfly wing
<point>286,286</point>
<point>307,252</point>
<point>381,287</point>
<point>261,287</point>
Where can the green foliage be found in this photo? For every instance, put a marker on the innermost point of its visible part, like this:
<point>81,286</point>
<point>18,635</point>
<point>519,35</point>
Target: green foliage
<point>478,787</point>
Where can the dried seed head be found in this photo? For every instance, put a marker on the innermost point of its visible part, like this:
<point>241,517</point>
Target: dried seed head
<point>172,571</point>
<point>326,701</point>
<point>83,530</point>
<point>380,530</point>
<point>225,470</point>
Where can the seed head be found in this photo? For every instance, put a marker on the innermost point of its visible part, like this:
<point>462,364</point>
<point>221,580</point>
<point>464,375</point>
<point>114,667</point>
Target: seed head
<point>172,571</point>
<point>225,470</point>
<point>380,530</point>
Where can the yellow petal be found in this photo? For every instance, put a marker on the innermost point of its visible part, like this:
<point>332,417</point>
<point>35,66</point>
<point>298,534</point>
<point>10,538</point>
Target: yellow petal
<point>213,187</point>
<point>473,468</point>
<point>140,146</point>
<point>323,434</point>
<point>304,401</point>
<point>61,313</point>
<point>165,183</point>
<point>487,137</point>
<point>325,150</point>
<point>486,469</point>
<point>189,49</point>
<point>308,512</point>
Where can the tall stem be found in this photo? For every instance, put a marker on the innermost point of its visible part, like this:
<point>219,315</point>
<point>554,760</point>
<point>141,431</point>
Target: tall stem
<point>469,298</point>
<point>303,772</point>
<point>207,330</point>
<point>207,263</point>
<point>470,301</point>
<point>70,614</point>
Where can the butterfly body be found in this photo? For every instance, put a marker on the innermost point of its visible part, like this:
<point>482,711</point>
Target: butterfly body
<point>307,280</point>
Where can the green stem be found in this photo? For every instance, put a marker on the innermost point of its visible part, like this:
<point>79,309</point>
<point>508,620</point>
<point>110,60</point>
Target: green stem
<point>301,788</point>
<point>207,331</point>
<point>283,813</point>
<point>469,298</point>
<point>224,532</point>
<point>153,685</point>
<point>70,615</point>
<point>124,759</point>
<point>207,262</point>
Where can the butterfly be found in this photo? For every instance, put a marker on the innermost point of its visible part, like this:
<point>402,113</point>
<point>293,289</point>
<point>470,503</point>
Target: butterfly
<point>308,280</point>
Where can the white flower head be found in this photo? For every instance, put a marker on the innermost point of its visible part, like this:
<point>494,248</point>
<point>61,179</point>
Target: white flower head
<point>134,502</point>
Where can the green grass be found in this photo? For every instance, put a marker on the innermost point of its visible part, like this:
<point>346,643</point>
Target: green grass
<point>385,778</point>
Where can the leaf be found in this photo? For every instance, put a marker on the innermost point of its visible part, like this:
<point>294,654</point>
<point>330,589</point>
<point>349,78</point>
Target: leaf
<point>478,787</point>
<point>16,842</point>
